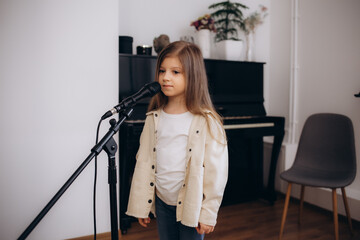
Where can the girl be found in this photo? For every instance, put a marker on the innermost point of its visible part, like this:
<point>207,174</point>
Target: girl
<point>182,162</point>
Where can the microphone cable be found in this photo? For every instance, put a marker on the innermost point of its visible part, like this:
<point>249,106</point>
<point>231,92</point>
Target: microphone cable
<point>95,179</point>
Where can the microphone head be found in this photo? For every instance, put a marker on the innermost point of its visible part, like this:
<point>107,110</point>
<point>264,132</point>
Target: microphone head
<point>148,90</point>
<point>154,88</point>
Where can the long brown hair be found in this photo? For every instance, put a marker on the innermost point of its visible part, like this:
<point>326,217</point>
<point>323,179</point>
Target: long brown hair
<point>196,92</point>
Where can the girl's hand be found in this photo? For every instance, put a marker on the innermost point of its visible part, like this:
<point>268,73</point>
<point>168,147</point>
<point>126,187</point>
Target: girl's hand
<point>144,221</point>
<point>203,228</point>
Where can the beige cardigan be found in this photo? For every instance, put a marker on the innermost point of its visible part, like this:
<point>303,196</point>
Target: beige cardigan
<point>205,177</point>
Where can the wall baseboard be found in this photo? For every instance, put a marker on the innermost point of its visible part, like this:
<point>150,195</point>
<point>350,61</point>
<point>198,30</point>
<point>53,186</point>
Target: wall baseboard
<point>321,197</point>
<point>342,218</point>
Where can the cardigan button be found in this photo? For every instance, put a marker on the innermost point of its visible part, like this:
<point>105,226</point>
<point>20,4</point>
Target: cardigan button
<point>153,166</point>
<point>197,131</point>
<point>156,115</point>
<point>150,201</point>
<point>184,185</point>
<point>152,184</point>
<point>154,149</point>
<point>179,202</point>
<point>190,150</point>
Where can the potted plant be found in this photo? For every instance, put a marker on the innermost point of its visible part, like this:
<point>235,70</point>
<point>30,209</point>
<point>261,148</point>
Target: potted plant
<point>204,25</point>
<point>228,19</point>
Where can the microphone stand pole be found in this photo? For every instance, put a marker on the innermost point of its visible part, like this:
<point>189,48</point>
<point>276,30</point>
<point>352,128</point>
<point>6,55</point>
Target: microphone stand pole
<point>108,144</point>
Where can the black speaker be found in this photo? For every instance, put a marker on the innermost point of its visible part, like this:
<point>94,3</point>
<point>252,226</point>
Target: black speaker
<point>125,44</point>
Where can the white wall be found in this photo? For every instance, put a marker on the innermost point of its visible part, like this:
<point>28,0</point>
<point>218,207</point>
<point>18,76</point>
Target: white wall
<point>329,62</point>
<point>144,20</point>
<point>279,63</point>
<point>58,75</point>
<point>327,79</point>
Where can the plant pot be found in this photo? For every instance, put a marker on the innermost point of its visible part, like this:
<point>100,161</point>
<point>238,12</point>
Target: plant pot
<point>229,50</point>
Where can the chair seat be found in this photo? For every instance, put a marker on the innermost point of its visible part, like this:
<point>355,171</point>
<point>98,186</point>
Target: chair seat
<point>317,178</point>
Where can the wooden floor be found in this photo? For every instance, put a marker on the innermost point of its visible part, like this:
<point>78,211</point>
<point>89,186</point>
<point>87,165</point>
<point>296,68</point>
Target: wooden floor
<point>257,220</point>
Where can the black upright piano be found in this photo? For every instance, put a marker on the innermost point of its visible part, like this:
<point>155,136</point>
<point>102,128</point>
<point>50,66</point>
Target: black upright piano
<point>236,90</point>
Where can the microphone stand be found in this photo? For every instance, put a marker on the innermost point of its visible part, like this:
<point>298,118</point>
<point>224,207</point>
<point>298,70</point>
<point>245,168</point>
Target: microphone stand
<point>108,144</point>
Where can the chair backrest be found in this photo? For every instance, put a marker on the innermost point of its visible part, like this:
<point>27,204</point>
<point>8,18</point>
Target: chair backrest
<point>327,144</point>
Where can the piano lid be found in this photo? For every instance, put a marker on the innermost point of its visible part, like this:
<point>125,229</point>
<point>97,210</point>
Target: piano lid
<point>236,88</point>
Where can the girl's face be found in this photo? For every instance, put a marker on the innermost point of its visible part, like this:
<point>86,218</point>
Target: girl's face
<point>172,78</point>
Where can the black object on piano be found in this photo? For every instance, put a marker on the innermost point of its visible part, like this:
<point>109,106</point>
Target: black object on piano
<point>236,89</point>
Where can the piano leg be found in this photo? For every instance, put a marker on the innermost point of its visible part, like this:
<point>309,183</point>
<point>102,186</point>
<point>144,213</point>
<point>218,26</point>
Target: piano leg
<point>269,193</point>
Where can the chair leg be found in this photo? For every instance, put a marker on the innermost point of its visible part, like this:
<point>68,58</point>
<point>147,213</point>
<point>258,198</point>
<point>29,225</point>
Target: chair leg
<point>336,224</point>
<point>287,199</point>
<point>347,209</point>
<point>302,193</point>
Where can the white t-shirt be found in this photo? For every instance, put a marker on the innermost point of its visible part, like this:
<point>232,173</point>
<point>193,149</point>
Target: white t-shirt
<point>172,136</point>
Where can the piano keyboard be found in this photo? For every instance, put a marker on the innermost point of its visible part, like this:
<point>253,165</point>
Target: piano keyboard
<point>249,125</point>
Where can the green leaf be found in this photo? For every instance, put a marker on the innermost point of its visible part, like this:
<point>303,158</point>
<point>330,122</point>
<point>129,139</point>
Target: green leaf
<point>228,18</point>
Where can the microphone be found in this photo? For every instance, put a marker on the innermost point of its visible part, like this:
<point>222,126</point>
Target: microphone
<point>148,90</point>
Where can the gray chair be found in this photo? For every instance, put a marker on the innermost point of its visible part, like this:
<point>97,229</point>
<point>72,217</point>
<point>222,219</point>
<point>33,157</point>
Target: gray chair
<point>325,158</point>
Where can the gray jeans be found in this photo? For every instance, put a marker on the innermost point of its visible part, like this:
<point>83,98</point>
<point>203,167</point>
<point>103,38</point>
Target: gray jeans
<point>168,228</point>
